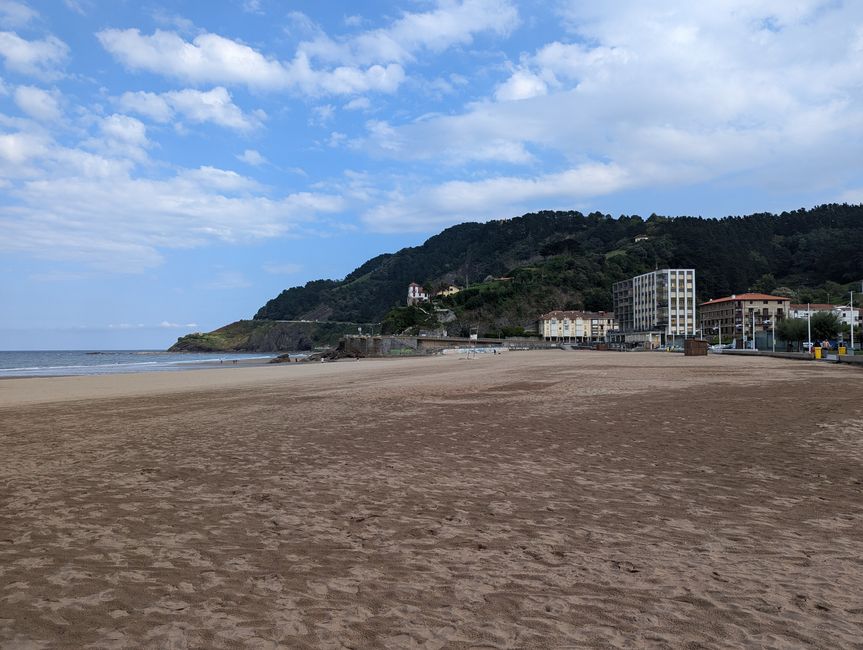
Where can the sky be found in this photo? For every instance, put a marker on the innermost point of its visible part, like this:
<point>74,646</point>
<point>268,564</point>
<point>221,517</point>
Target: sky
<point>168,167</point>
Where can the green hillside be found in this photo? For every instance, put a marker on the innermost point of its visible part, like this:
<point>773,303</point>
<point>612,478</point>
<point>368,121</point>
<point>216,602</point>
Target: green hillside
<point>569,260</point>
<point>513,270</point>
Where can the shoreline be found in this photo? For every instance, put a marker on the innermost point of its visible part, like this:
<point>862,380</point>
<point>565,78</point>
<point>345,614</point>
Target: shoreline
<point>44,389</point>
<point>130,368</point>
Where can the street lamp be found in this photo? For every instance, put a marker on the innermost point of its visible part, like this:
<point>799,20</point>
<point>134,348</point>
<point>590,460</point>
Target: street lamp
<point>753,330</point>
<point>773,332</point>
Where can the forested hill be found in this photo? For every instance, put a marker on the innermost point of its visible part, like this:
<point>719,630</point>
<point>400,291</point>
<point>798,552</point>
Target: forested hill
<point>569,260</point>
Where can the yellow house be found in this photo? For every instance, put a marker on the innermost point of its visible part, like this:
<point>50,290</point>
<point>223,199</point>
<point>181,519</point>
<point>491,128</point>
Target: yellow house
<point>576,326</point>
<point>449,291</point>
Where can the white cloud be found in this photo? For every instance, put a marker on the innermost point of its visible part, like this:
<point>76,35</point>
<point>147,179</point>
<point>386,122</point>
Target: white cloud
<point>92,207</point>
<point>15,14</point>
<point>450,23</point>
<point>122,137</point>
<point>475,137</point>
<point>215,106</point>
<point>433,206</point>
<point>323,114</point>
<point>208,58</point>
<point>252,157</point>
<point>78,6</point>
<point>253,7</point>
<point>358,104</point>
<point>151,105</point>
<point>38,58</point>
<point>164,17</point>
<point>121,223</point>
<point>18,149</point>
<point>124,129</point>
<point>222,180</point>
<point>38,104</point>
<point>370,61</point>
<point>521,85</point>
<point>169,325</point>
<point>211,58</point>
<point>766,93</point>
<point>336,139</point>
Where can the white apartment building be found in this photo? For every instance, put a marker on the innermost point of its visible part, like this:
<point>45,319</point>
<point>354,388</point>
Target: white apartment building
<point>655,307</point>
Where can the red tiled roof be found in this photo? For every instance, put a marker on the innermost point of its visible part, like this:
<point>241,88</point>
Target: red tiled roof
<point>745,296</point>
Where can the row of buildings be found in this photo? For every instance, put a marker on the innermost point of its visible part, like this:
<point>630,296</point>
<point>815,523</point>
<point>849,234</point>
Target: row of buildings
<point>653,309</point>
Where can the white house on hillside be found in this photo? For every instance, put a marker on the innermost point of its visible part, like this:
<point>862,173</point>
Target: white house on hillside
<point>416,294</point>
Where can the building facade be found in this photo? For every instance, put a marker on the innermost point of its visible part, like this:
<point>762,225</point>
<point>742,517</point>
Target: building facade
<point>576,326</point>
<point>450,290</point>
<point>655,307</point>
<point>734,317</point>
<point>845,314</point>
<point>416,294</point>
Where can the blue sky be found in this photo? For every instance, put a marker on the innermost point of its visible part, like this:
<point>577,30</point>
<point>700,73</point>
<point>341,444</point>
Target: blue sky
<point>167,167</point>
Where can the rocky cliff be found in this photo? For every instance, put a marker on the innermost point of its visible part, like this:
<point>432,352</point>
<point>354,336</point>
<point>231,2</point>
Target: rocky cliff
<point>266,336</point>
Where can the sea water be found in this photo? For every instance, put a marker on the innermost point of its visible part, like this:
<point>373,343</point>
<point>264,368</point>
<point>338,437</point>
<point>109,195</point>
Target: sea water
<point>95,362</point>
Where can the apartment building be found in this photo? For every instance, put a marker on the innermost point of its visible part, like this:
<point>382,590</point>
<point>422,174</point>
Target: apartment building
<point>733,317</point>
<point>653,308</point>
<point>576,326</point>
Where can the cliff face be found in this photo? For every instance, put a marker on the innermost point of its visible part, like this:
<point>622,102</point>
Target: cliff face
<point>265,336</point>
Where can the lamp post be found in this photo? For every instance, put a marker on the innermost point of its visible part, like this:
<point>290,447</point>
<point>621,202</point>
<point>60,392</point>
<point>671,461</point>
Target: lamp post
<point>808,329</point>
<point>852,322</point>
<point>773,331</point>
<point>753,330</point>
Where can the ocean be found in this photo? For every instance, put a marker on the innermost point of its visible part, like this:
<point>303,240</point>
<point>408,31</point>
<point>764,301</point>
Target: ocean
<point>94,362</point>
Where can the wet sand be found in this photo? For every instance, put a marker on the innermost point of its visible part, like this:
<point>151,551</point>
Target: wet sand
<point>542,499</point>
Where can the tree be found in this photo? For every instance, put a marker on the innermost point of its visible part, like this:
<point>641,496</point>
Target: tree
<point>825,325</point>
<point>786,292</point>
<point>792,330</point>
<point>766,284</point>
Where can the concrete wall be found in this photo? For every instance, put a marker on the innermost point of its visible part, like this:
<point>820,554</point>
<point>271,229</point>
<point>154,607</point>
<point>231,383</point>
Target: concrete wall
<point>390,346</point>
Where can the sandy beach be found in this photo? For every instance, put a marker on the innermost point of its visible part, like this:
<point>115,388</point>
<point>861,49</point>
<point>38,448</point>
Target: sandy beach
<point>525,500</point>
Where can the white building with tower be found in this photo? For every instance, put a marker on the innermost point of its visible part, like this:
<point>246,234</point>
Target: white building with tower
<point>416,294</point>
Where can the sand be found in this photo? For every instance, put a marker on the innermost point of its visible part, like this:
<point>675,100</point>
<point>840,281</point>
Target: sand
<point>527,500</point>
